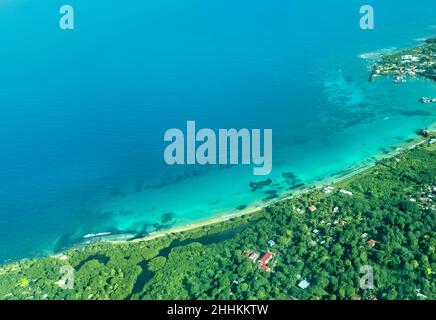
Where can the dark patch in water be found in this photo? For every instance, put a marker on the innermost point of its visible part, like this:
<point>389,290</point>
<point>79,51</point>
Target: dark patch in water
<point>296,186</point>
<point>270,197</point>
<point>290,178</point>
<point>241,207</point>
<point>141,234</point>
<point>167,217</point>
<point>415,113</point>
<point>289,175</point>
<point>161,226</point>
<point>270,192</point>
<point>259,185</point>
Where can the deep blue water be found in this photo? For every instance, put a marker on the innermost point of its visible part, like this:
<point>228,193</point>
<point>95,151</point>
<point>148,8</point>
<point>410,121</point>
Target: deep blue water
<point>83,112</point>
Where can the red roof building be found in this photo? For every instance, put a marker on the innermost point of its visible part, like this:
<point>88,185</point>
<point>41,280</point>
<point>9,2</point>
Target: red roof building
<point>371,243</point>
<point>356,298</point>
<point>265,268</point>
<point>266,257</point>
<point>311,208</point>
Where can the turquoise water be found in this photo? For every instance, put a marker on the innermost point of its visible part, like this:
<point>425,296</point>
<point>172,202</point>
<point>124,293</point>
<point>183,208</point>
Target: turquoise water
<point>83,112</point>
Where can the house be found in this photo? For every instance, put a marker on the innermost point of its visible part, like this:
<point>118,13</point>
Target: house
<point>63,257</point>
<point>328,189</point>
<point>248,253</point>
<point>424,199</point>
<point>311,208</point>
<point>254,257</point>
<point>304,284</point>
<point>410,58</point>
<point>372,243</point>
<point>264,267</point>
<point>355,298</point>
<point>348,193</point>
<point>266,258</point>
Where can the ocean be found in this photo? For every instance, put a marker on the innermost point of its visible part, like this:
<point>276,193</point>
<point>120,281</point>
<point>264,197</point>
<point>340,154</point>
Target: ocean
<point>83,112</point>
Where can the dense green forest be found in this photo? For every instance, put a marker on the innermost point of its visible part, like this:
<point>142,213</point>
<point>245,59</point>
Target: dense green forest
<point>383,218</point>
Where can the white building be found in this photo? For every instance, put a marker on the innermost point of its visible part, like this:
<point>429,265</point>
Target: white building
<point>304,284</point>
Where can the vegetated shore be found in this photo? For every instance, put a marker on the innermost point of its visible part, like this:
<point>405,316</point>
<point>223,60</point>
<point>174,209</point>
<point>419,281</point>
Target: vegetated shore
<point>252,209</point>
<point>328,181</point>
<point>186,262</point>
<point>258,206</point>
<point>331,180</point>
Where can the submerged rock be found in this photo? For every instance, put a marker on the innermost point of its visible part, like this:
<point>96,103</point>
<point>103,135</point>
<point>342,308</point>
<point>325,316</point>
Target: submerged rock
<point>259,185</point>
<point>167,217</point>
<point>290,178</point>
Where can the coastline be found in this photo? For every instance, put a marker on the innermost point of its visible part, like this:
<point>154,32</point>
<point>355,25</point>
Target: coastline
<point>140,268</point>
<point>345,174</point>
<point>218,216</point>
<point>255,208</point>
<point>92,210</point>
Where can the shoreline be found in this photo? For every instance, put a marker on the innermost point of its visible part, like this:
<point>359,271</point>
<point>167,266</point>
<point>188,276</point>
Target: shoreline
<point>254,208</point>
<point>143,268</point>
<point>257,206</point>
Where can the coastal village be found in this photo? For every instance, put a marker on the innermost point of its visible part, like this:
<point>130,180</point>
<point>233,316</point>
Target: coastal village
<point>266,261</point>
<point>425,198</point>
<point>419,61</point>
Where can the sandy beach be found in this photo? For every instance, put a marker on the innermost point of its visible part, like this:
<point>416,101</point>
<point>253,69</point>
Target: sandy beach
<point>329,181</point>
